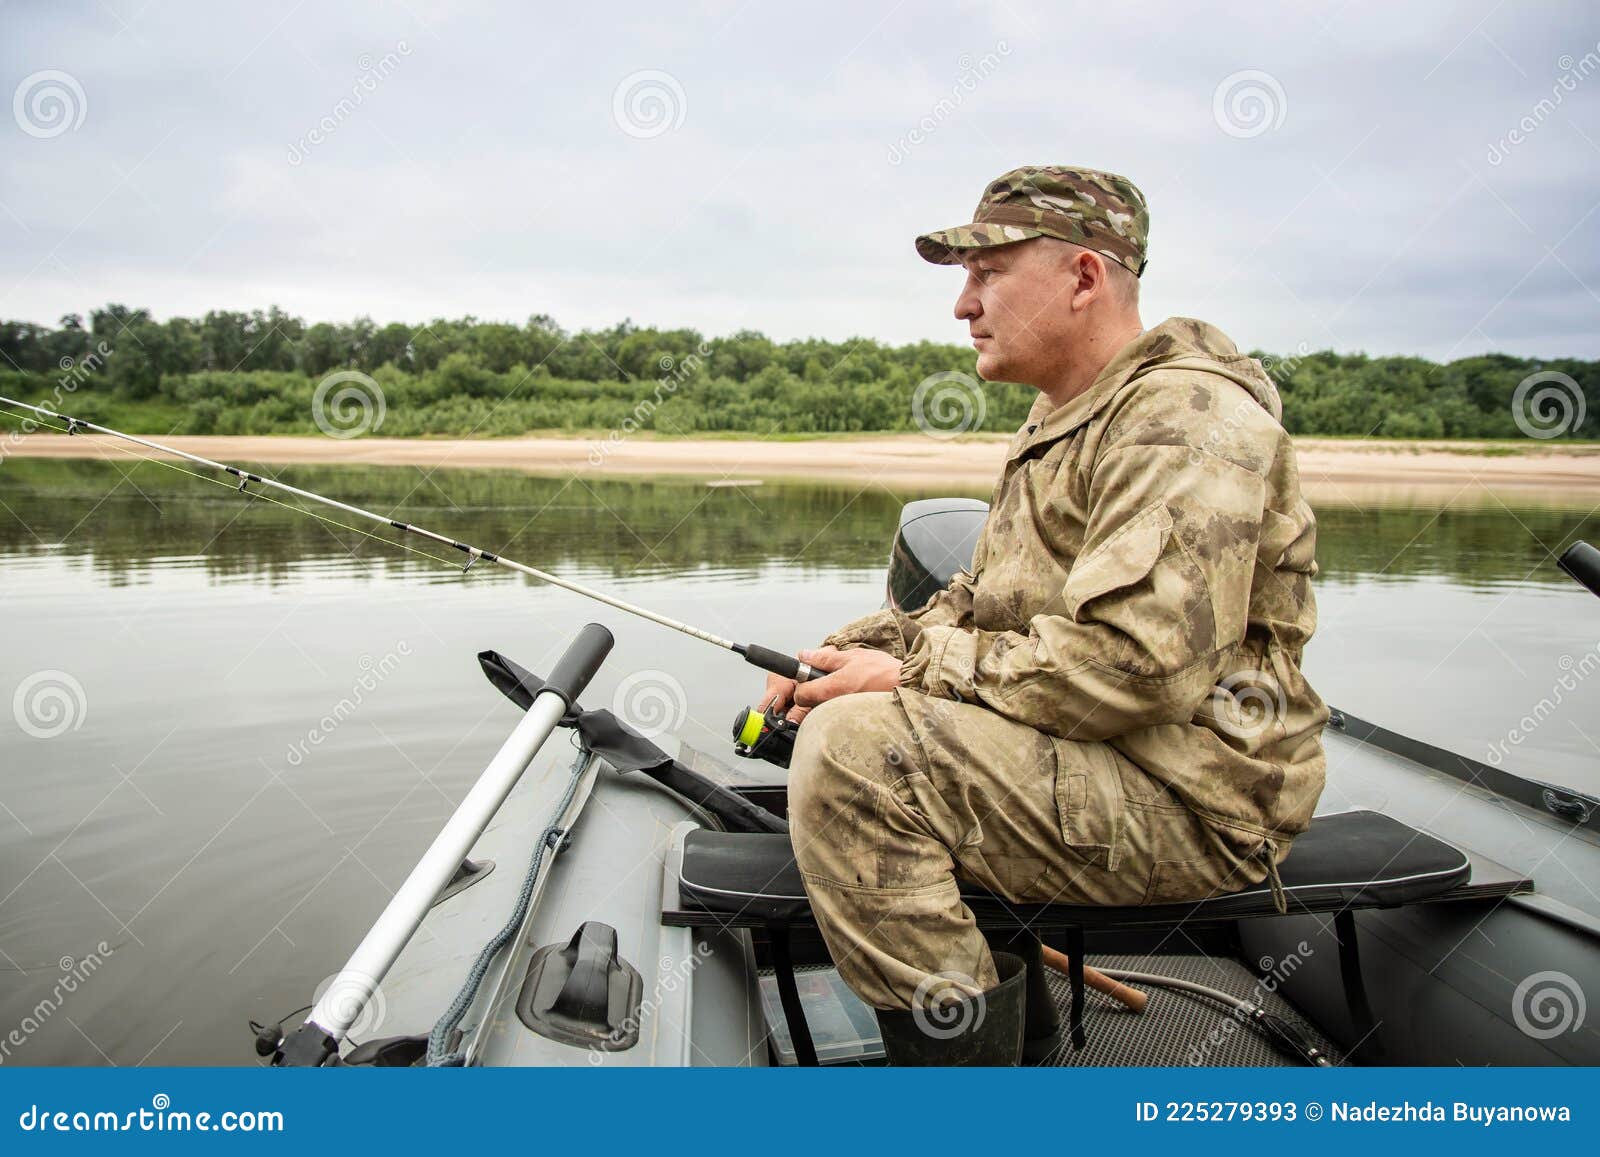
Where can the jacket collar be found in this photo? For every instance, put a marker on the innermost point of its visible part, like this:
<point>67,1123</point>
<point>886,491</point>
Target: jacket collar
<point>1178,341</point>
<point>1048,422</point>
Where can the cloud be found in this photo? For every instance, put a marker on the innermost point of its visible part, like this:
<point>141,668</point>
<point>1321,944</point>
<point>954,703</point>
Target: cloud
<point>483,171</point>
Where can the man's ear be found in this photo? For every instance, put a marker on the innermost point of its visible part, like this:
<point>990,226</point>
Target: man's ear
<point>1080,270</point>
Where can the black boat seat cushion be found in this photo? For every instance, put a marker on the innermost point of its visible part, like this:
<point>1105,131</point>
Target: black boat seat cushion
<point>1357,859</point>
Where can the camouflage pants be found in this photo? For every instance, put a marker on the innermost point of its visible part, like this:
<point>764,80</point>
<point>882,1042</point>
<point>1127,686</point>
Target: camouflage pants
<point>893,795</point>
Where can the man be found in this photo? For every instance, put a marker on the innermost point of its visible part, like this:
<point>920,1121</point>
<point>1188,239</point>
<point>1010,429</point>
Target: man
<point>1109,708</point>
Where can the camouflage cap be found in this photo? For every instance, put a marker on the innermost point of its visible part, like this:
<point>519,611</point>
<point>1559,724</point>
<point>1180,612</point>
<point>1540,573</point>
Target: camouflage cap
<point>1100,211</point>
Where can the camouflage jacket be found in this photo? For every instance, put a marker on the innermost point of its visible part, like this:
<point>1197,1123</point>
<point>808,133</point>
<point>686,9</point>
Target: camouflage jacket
<point>1144,578</point>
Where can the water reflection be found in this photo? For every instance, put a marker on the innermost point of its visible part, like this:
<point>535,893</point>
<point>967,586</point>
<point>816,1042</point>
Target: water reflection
<point>131,524</point>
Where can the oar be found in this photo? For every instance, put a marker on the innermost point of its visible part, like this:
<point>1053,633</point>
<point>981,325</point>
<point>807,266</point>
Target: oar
<point>1097,980</point>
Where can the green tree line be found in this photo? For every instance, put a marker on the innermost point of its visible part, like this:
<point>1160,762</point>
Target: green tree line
<point>233,372</point>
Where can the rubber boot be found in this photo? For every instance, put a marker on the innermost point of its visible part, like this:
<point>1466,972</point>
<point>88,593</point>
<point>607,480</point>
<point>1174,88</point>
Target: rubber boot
<point>1043,1033</point>
<point>980,1030</point>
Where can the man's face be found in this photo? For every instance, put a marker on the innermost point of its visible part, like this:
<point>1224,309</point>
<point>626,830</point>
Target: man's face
<point>1017,305</point>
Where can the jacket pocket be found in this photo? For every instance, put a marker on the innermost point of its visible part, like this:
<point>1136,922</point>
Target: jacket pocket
<point>1143,585</point>
<point>1120,561</point>
<point>1089,802</point>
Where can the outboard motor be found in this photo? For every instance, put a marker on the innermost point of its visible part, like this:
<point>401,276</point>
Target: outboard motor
<point>1582,562</point>
<point>936,539</point>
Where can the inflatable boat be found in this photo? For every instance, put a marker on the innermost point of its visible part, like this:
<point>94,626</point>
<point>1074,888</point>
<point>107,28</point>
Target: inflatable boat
<point>624,899</point>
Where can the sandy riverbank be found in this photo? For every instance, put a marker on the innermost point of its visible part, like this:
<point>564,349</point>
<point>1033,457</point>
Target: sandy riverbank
<point>1332,469</point>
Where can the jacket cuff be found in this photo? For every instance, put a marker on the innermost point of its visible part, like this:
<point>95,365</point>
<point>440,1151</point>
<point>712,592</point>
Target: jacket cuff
<point>929,667</point>
<point>885,630</point>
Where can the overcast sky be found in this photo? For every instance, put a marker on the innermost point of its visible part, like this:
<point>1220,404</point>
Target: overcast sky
<point>1363,175</point>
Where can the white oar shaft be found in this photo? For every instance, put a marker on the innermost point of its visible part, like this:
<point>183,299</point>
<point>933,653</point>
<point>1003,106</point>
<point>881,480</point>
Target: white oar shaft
<point>351,990</point>
<point>473,553</point>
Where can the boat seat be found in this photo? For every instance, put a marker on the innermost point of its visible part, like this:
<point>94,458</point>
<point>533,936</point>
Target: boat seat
<point>1359,859</point>
<point>1344,862</point>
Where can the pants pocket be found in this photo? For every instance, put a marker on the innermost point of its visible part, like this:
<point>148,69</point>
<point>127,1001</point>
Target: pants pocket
<point>1089,802</point>
<point>1181,881</point>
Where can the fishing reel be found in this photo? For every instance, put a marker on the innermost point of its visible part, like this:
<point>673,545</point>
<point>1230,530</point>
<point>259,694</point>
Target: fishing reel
<point>764,735</point>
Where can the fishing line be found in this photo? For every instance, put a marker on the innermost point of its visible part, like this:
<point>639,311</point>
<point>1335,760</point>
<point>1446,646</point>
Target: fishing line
<point>753,653</point>
<point>253,495</point>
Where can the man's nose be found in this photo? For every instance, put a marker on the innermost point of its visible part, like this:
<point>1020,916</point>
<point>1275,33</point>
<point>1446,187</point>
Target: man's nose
<point>967,305</point>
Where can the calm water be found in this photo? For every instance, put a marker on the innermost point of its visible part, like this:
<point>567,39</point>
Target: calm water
<point>168,648</point>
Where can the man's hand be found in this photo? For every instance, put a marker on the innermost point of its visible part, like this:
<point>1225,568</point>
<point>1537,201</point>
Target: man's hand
<point>858,669</point>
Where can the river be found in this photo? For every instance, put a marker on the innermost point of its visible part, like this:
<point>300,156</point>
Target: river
<point>233,727</point>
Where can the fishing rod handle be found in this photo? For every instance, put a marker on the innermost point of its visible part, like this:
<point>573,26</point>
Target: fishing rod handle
<point>778,663</point>
<point>579,663</point>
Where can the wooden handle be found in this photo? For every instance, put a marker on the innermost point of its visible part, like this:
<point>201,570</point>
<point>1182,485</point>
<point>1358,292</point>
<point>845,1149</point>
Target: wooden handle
<point>1133,998</point>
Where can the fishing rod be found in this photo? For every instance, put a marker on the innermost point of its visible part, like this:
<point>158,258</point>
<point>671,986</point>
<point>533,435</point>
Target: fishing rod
<point>753,653</point>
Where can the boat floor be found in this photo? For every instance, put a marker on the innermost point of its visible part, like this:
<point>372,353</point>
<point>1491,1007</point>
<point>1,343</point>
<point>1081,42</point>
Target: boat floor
<point>1179,1028</point>
<point>1175,1029</point>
